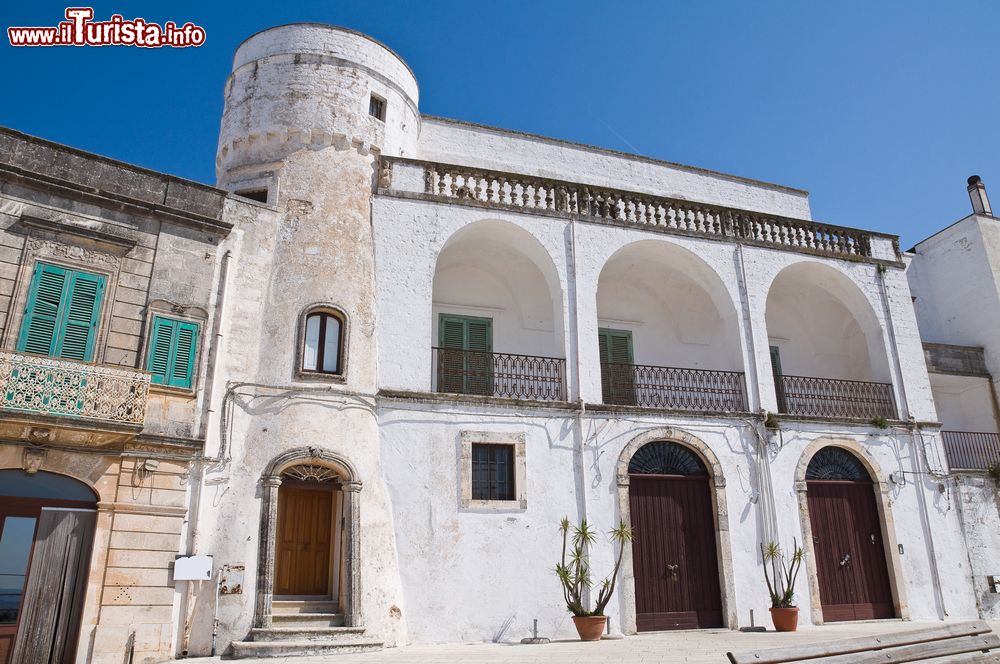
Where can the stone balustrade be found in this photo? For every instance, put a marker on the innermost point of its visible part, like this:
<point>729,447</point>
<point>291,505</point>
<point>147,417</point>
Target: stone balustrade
<point>63,388</point>
<point>526,193</point>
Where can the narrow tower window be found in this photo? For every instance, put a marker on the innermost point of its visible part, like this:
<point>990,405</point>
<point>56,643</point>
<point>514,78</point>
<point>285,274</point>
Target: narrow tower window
<point>376,108</point>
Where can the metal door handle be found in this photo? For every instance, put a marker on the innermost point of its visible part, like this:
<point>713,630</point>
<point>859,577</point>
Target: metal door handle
<point>846,560</point>
<point>672,569</point>
<point>873,537</point>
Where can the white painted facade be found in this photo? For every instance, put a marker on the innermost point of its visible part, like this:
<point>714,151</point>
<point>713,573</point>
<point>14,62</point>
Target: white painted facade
<point>430,569</point>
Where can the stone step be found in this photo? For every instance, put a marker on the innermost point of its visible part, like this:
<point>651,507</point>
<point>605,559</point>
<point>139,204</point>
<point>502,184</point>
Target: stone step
<point>303,606</point>
<point>299,648</point>
<point>302,633</point>
<point>307,619</point>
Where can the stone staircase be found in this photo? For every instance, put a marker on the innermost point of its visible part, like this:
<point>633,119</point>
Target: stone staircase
<point>304,628</point>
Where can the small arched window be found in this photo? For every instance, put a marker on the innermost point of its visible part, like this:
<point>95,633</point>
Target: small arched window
<point>323,349</point>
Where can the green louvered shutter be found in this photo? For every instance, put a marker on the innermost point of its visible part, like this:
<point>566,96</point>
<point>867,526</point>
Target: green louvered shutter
<point>81,311</point>
<point>182,371</point>
<point>62,313</point>
<point>479,362</point>
<point>172,349</point>
<point>617,373</point>
<point>459,370</point>
<point>38,331</point>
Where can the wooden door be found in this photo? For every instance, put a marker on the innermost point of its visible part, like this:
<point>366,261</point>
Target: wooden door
<point>673,553</point>
<point>303,543</point>
<point>850,553</point>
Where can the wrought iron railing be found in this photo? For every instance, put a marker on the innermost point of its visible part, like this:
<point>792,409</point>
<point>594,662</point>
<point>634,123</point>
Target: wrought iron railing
<point>968,450</point>
<point>827,397</point>
<point>673,388</point>
<point>499,374</point>
<point>528,193</point>
<point>49,386</point>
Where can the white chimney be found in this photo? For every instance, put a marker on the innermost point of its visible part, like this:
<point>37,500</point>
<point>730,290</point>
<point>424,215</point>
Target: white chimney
<point>977,194</point>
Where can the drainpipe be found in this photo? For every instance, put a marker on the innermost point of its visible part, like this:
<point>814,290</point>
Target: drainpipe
<point>752,382</point>
<point>574,328</point>
<point>921,455</point>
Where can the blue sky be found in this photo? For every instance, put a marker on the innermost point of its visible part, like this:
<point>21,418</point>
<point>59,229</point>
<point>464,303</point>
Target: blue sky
<point>880,109</point>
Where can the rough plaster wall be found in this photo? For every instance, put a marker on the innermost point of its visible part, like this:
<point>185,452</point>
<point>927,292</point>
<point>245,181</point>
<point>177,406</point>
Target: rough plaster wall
<point>981,526</point>
<point>314,248</point>
<point>452,556</point>
<point>955,276</point>
<point>964,403</point>
<point>496,149</point>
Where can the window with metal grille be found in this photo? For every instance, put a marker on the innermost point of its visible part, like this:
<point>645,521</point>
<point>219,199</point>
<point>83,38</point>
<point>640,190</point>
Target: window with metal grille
<point>323,343</point>
<point>376,108</point>
<point>492,472</point>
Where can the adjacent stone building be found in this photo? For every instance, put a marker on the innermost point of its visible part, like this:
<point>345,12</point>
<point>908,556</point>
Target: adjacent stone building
<point>390,352</point>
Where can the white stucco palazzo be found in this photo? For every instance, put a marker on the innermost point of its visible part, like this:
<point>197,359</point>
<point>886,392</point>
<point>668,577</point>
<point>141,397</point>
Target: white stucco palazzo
<point>426,342</point>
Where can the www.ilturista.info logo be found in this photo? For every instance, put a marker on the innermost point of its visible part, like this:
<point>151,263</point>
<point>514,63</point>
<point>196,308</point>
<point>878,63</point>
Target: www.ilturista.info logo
<point>79,29</point>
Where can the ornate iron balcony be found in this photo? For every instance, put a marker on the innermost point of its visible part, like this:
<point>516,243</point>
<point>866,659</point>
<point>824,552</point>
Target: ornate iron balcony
<point>827,397</point>
<point>465,185</point>
<point>967,450</point>
<point>673,388</point>
<point>64,388</point>
<point>499,374</point>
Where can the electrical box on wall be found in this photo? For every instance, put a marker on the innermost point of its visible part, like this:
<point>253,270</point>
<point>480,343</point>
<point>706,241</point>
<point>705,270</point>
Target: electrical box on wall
<point>994,583</point>
<point>193,568</point>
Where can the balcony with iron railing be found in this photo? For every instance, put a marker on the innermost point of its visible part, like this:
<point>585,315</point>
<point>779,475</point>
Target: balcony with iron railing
<point>503,375</point>
<point>671,388</point>
<point>829,398</point>
<point>65,398</point>
<point>969,450</point>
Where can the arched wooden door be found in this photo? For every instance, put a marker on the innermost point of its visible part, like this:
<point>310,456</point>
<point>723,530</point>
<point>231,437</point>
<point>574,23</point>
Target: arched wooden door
<point>847,538</point>
<point>674,556</point>
<point>46,532</point>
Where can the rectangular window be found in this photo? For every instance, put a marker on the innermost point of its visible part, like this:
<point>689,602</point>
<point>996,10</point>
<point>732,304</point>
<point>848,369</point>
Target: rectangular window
<point>62,313</point>
<point>492,472</point>
<point>376,108</point>
<point>172,347</point>
<point>465,357</point>
<point>617,371</point>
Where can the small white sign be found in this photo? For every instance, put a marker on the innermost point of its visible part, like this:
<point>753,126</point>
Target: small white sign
<point>193,568</point>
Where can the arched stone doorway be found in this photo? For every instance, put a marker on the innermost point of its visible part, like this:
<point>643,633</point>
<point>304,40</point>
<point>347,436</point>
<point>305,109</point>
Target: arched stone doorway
<point>849,537</point>
<point>309,540</point>
<point>46,534</point>
<point>671,486</point>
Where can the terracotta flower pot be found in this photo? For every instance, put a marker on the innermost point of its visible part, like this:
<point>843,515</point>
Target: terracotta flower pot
<point>785,620</point>
<point>590,628</point>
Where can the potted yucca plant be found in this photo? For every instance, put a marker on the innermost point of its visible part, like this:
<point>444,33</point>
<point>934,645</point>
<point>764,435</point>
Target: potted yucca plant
<point>784,613</point>
<point>574,573</point>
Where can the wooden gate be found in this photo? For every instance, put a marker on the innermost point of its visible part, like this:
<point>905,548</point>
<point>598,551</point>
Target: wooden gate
<point>847,540</point>
<point>674,555</point>
<point>304,539</point>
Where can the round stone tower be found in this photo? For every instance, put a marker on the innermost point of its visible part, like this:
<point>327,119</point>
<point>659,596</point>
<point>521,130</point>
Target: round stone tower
<point>308,110</point>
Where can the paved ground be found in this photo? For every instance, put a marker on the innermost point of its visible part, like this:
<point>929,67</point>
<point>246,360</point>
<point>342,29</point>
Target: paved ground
<point>700,646</point>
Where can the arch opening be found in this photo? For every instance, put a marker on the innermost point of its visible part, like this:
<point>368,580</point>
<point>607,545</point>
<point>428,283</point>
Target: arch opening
<point>669,332</point>
<point>828,357</point>
<point>497,315</point>
<point>47,523</point>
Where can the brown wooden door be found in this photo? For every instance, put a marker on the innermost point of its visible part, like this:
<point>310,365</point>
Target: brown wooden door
<point>673,553</point>
<point>303,546</point>
<point>850,553</point>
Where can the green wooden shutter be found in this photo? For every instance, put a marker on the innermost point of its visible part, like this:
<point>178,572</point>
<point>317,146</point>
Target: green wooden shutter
<point>172,348</point>
<point>38,330</point>
<point>617,374</point>
<point>465,372</point>
<point>81,311</point>
<point>62,313</point>
<point>182,372</point>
